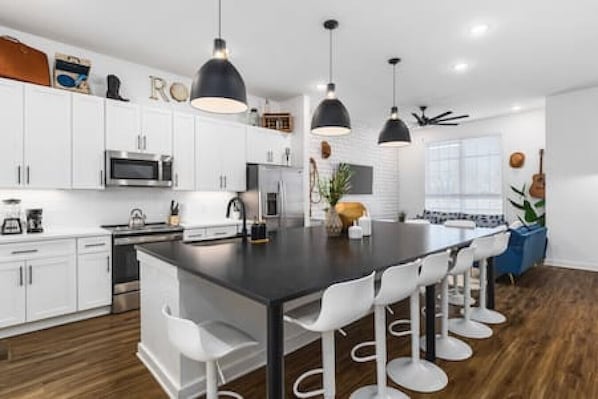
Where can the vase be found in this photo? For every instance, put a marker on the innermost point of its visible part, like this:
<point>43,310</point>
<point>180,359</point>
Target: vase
<point>333,223</point>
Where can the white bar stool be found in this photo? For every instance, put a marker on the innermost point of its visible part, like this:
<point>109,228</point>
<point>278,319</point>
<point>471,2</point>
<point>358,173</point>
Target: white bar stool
<point>413,372</point>
<point>397,283</point>
<point>341,304</point>
<point>206,342</point>
<point>481,313</point>
<point>447,347</point>
<point>456,296</point>
<point>464,326</point>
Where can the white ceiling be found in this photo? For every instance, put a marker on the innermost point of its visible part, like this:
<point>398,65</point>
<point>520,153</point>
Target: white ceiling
<point>533,48</point>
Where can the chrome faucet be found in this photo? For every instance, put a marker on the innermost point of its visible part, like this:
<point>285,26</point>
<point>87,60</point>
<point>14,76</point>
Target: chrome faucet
<point>238,202</point>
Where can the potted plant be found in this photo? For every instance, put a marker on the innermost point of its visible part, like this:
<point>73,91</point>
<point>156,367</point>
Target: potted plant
<point>332,190</point>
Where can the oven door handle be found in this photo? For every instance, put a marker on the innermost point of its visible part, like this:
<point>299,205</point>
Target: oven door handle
<point>147,239</point>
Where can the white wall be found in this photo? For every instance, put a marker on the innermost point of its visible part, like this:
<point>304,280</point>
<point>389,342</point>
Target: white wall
<point>523,132</point>
<point>572,179</point>
<point>361,147</point>
<point>111,206</point>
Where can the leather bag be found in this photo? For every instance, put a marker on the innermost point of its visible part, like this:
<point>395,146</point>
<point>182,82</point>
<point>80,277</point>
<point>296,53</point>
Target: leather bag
<point>21,62</point>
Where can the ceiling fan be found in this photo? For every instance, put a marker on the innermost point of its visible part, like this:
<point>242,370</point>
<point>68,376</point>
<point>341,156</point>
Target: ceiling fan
<point>440,120</point>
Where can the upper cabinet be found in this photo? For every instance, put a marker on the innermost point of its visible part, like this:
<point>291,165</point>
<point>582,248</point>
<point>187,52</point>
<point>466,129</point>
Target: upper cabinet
<point>47,139</point>
<point>156,131</point>
<point>265,146</point>
<point>123,126</point>
<point>183,148</point>
<point>88,142</point>
<point>132,128</point>
<point>220,156</point>
<point>11,126</point>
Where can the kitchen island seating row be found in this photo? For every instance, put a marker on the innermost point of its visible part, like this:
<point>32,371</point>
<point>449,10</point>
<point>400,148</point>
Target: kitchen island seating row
<point>298,263</point>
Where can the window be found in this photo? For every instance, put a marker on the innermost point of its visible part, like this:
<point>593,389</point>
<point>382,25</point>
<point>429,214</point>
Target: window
<point>464,176</point>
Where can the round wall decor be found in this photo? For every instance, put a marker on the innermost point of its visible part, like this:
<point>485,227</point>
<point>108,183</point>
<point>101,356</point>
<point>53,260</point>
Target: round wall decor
<point>517,160</point>
<point>179,92</point>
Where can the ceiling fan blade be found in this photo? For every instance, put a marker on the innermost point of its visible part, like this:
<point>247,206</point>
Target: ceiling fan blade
<point>446,124</point>
<point>452,118</point>
<point>419,120</point>
<point>441,115</point>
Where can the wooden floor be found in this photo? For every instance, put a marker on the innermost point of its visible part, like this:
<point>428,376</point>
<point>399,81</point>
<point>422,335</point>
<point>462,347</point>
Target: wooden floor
<point>547,349</point>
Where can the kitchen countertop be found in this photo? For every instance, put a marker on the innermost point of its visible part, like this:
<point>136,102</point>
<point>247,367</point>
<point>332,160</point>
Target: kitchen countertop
<point>300,261</point>
<point>55,234</point>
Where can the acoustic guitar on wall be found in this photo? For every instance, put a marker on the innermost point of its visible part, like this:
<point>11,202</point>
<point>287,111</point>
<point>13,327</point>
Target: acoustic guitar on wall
<point>537,189</point>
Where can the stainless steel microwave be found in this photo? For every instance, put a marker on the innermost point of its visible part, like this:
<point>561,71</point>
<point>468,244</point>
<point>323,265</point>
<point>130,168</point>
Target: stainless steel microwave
<point>137,169</point>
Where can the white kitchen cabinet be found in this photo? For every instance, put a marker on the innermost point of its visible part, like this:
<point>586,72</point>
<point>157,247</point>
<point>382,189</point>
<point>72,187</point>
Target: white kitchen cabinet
<point>88,142</point>
<point>156,131</point>
<point>11,128</point>
<point>12,293</point>
<point>266,146</point>
<point>220,156</point>
<point>183,149</point>
<point>47,136</point>
<point>94,280</point>
<point>51,287</point>
<point>123,126</point>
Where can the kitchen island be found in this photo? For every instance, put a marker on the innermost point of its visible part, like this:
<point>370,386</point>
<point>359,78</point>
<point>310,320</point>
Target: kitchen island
<point>251,286</point>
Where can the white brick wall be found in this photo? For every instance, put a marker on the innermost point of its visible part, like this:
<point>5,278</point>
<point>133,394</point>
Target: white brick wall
<point>361,147</point>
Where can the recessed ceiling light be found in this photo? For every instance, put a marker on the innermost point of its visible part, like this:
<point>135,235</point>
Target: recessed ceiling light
<point>461,67</point>
<point>478,30</point>
<point>516,108</point>
<point>321,86</point>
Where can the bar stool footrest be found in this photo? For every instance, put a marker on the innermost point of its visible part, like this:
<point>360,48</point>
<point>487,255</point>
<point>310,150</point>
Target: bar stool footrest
<point>230,394</point>
<point>299,380</point>
<point>363,359</point>
<point>396,323</point>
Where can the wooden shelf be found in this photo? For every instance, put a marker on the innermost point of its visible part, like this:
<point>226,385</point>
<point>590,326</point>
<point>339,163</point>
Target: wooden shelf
<point>281,121</point>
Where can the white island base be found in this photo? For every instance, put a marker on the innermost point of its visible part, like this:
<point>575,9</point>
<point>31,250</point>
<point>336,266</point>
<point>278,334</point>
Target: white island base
<point>191,297</point>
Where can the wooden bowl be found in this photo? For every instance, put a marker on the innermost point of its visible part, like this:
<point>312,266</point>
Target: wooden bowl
<point>349,212</point>
<point>517,160</point>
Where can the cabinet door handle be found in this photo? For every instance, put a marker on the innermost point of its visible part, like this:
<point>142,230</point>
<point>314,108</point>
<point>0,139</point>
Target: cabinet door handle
<point>220,233</point>
<point>20,276</point>
<point>25,251</point>
<point>99,244</point>
<point>220,181</point>
<point>30,275</point>
<point>176,179</point>
<point>101,177</point>
<point>145,142</point>
<point>138,141</point>
<point>19,175</point>
<point>108,264</point>
<point>28,175</point>
<point>224,181</point>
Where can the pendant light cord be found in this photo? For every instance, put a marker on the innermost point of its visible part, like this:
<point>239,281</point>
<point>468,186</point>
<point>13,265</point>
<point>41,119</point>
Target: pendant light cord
<point>219,19</point>
<point>330,64</point>
<point>394,85</point>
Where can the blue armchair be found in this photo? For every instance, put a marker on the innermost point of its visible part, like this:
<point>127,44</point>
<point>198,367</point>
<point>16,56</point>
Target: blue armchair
<point>527,247</point>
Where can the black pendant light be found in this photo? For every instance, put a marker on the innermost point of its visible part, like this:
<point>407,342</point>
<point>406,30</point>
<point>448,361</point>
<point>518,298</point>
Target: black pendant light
<point>331,118</point>
<point>218,87</point>
<point>394,133</point>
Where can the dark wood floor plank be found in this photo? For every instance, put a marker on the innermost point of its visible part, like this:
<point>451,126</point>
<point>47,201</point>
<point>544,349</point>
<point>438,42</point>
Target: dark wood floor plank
<point>547,349</point>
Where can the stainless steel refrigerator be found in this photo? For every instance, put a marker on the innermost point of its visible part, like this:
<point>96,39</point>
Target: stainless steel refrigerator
<point>274,194</point>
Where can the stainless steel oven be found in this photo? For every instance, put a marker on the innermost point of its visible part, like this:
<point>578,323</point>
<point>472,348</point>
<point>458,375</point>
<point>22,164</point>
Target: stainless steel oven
<point>125,267</point>
<point>137,169</point>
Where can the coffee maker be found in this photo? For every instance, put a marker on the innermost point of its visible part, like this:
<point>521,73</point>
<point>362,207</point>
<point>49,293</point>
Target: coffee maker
<point>34,221</point>
<point>12,222</point>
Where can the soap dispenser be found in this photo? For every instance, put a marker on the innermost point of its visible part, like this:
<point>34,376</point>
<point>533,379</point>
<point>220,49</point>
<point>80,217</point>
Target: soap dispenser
<point>366,224</point>
<point>355,232</point>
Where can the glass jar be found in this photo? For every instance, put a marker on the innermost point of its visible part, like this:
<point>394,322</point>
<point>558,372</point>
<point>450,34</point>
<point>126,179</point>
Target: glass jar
<point>253,119</point>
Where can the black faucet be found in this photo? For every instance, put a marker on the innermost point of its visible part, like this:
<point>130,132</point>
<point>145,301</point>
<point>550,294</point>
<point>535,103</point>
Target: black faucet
<point>238,202</point>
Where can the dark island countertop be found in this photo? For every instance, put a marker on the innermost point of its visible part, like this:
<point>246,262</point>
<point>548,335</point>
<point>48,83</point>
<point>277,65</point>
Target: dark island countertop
<point>300,261</point>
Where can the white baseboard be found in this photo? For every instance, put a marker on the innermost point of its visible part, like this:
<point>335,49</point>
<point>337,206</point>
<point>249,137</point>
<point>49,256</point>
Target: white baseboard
<point>53,322</point>
<point>232,371</point>
<point>570,264</point>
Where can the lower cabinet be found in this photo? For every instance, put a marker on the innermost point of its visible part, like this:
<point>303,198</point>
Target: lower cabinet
<point>95,280</point>
<point>12,293</point>
<point>51,287</point>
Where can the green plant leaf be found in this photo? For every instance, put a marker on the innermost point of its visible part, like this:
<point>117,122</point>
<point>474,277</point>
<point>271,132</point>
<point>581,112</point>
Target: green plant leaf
<point>520,192</point>
<point>516,205</point>
<point>540,204</point>
<point>530,214</point>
